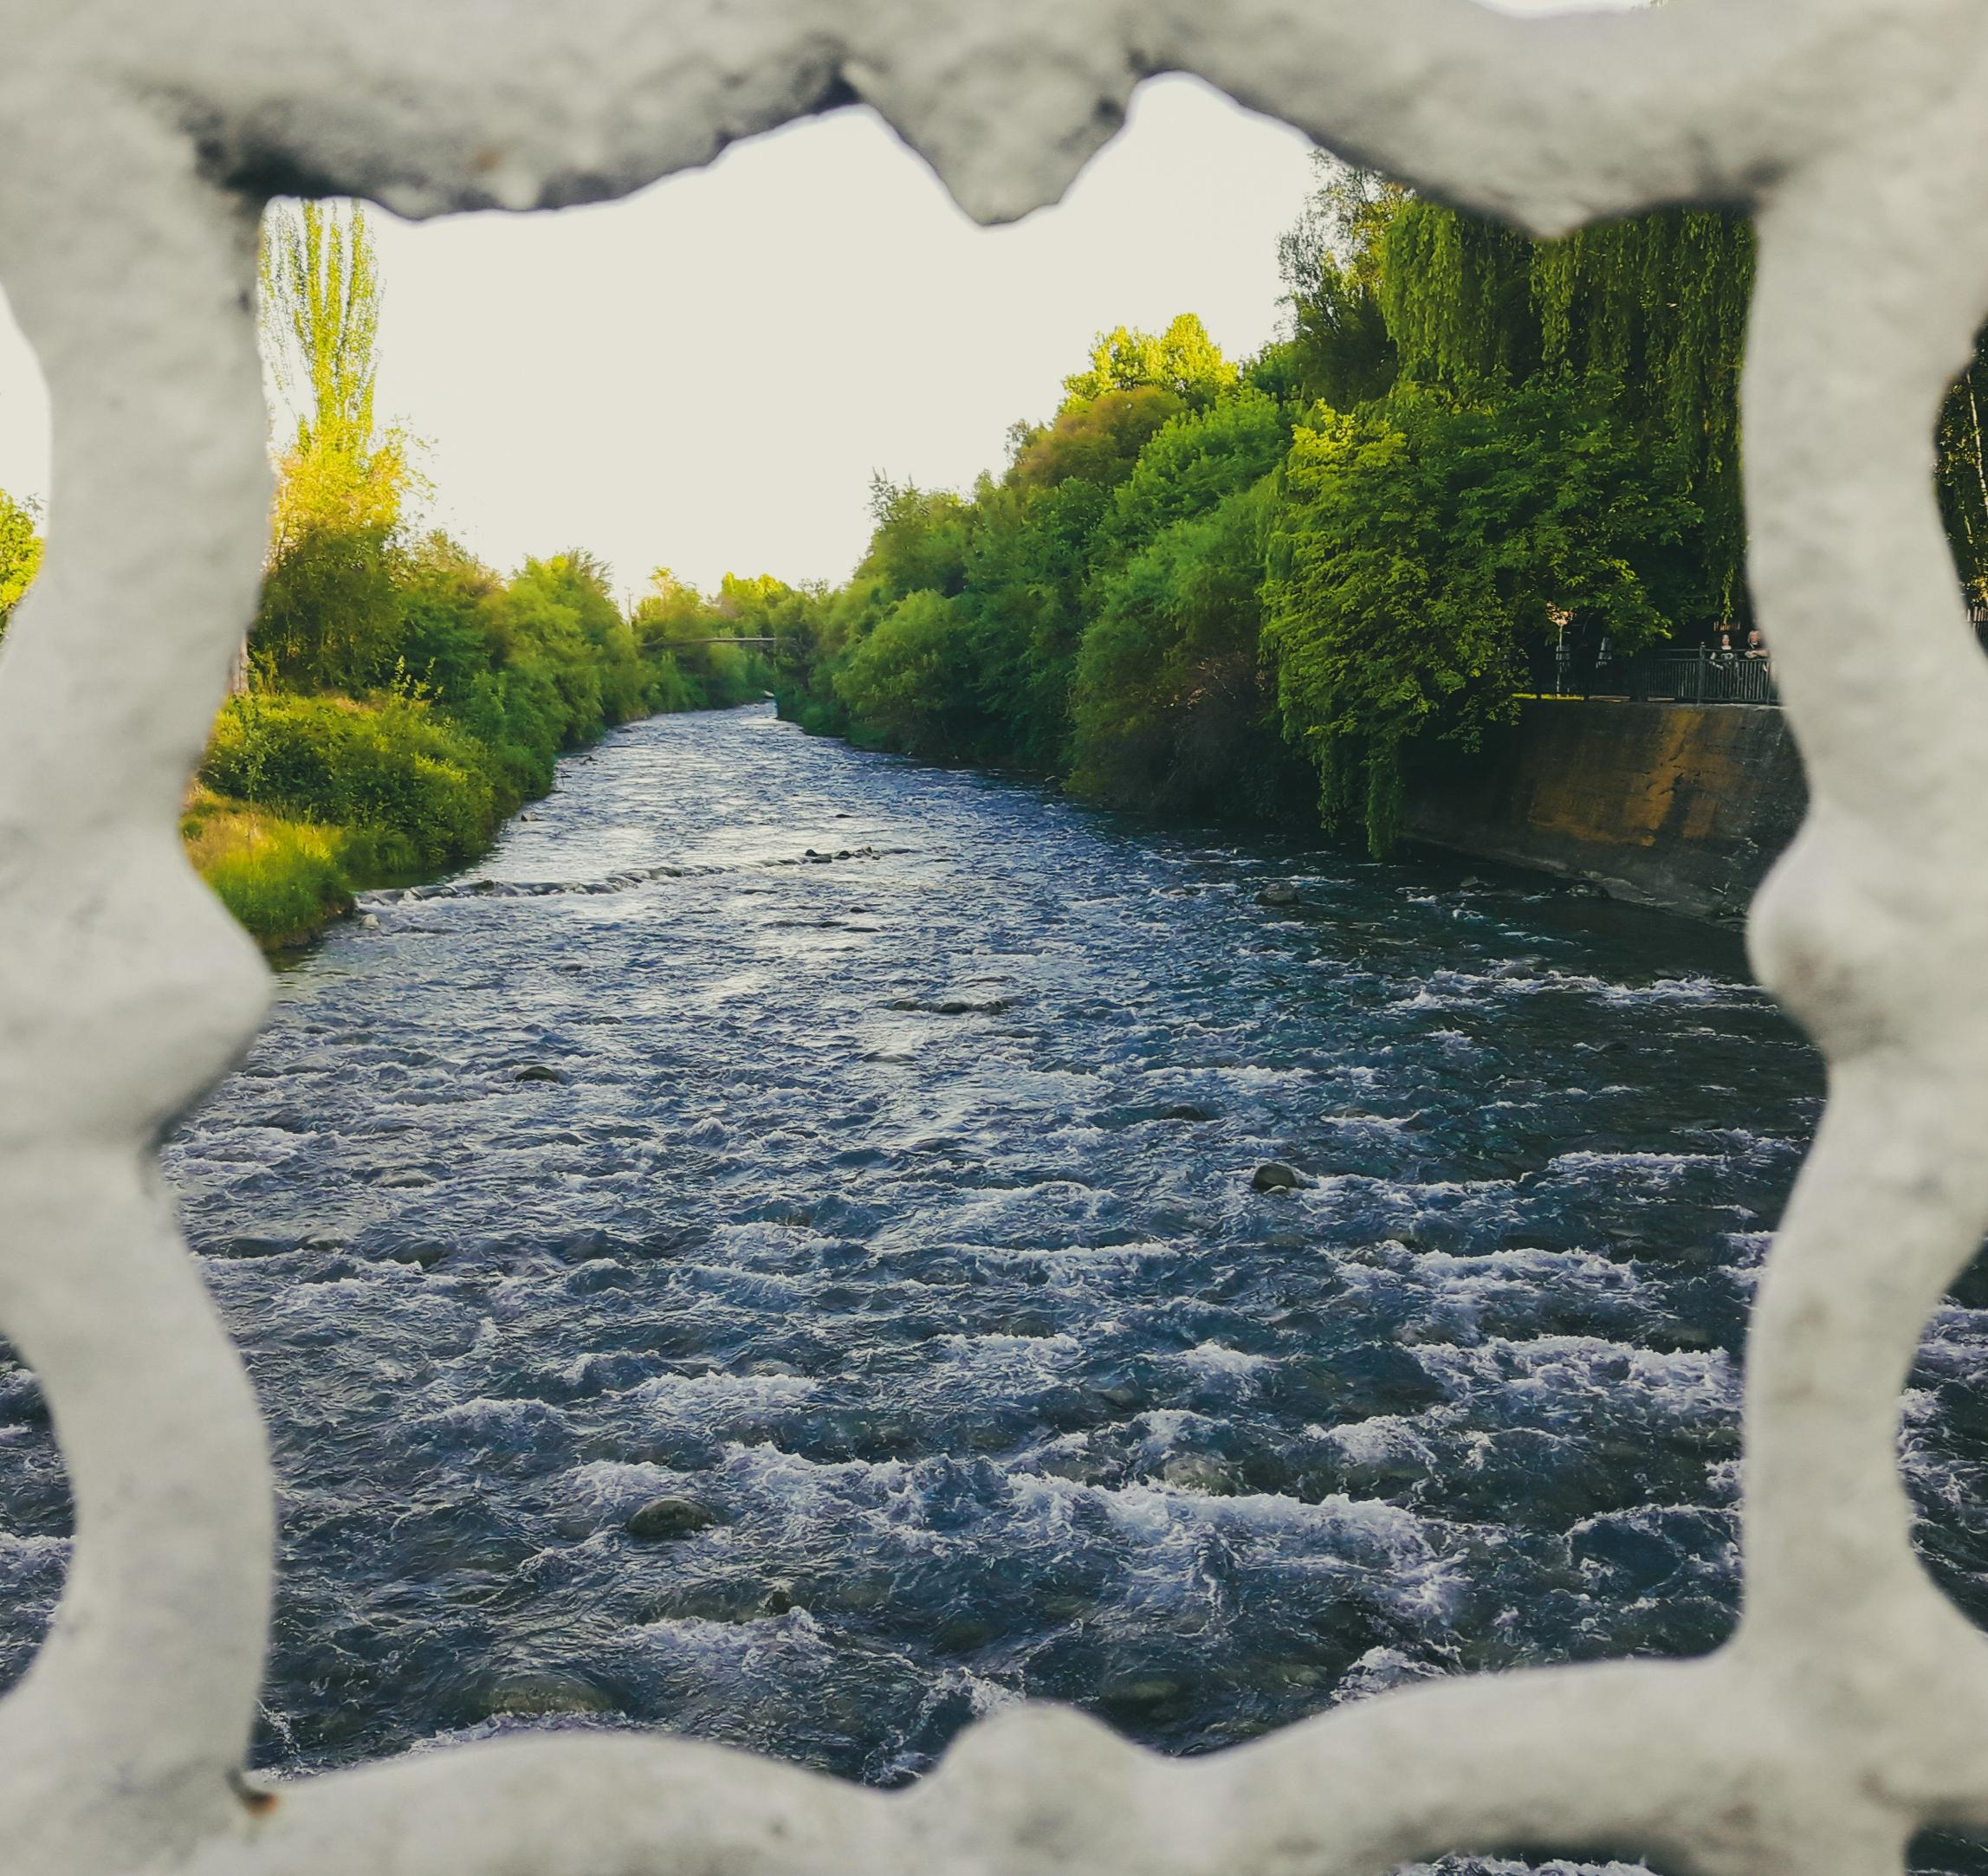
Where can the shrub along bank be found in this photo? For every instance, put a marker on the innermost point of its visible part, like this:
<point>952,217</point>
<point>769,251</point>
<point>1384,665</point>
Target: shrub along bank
<point>308,795</point>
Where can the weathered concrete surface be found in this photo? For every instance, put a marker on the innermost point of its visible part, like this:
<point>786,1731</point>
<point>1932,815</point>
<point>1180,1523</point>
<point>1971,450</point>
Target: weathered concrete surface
<point>1677,805</point>
<point>138,140</point>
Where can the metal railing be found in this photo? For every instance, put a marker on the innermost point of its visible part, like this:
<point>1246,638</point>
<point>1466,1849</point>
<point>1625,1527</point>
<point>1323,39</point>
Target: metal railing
<point>1698,676</point>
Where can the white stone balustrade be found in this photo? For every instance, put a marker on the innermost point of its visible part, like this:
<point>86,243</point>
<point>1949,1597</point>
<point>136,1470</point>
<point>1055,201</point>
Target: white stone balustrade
<point>138,139</point>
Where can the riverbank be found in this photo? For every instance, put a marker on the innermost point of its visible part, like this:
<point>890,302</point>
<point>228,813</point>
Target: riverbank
<point>285,881</point>
<point>304,802</point>
<point>1679,806</point>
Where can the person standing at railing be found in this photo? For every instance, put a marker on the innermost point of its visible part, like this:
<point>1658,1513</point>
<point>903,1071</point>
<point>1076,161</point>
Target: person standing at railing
<point>1757,644</point>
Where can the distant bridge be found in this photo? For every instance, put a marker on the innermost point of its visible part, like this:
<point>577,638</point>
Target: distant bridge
<point>672,644</point>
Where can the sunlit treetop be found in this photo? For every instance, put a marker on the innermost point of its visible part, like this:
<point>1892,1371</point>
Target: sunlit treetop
<point>1182,359</point>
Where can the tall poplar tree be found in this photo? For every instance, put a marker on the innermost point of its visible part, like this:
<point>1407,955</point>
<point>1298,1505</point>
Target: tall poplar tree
<point>319,317</point>
<point>331,609</point>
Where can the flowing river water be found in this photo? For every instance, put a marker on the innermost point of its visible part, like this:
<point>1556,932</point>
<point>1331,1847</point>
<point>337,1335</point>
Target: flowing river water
<point>859,1154</point>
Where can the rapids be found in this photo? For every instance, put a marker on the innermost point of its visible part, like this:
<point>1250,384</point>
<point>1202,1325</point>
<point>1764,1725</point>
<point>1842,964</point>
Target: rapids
<point>861,1153</point>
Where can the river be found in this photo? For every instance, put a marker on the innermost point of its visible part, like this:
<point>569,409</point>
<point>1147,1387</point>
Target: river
<point>860,1154</point>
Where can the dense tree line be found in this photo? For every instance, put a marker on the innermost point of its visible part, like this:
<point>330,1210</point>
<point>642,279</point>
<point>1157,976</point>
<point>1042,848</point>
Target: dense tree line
<point>1266,587</point>
<point>395,698</point>
<point>1273,586</point>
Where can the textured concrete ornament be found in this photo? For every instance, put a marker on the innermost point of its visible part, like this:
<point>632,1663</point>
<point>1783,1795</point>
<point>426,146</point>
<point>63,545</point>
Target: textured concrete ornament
<point>138,139</point>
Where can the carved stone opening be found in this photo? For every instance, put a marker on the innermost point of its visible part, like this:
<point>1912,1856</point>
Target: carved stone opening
<point>139,138</point>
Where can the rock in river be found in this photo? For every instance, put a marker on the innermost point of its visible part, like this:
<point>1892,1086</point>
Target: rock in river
<point>540,1696</point>
<point>1274,1175</point>
<point>664,1520</point>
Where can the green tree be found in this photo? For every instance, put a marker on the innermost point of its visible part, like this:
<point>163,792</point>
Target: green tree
<point>1169,709</point>
<point>1168,706</point>
<point>920,541</point>
<point>20,552</point>
<point>1096,440</point>
<point>449,639</point>
<point>908,681</point>
<point>1659,303</point>
<point>1330,260</point>
<point>1424,543</point>
<point>1182,359</point>
<point>331,615</point>
<point>1962,475</point>
<point>1024,610</point>
<point>319,316</point>
<point>1195,461</point>
<point>1655,304</point>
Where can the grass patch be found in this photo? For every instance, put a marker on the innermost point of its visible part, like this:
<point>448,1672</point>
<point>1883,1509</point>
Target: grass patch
<point>283,879</point>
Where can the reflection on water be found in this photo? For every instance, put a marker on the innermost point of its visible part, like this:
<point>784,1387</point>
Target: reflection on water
<point>859,1155</point>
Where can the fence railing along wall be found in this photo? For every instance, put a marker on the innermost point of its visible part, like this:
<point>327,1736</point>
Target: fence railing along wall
<point>1700,677</point>
<point>138,139</point>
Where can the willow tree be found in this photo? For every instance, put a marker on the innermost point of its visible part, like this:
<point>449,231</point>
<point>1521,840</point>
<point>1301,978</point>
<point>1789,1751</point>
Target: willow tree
<point>1330,264</point>
<point>330,612</point>
<point>1657,305</point>
<point>1962,472</point>
<point>1415,550</point>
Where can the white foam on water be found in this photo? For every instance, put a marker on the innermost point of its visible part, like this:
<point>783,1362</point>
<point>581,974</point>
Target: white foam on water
<point>721,1644</point>
<point>1166,1428</point>
<point>495,1419</point>
<point>1665,1168</point>
<point>1498,1865</point>
<point>335,1295</point>
<point>1214,1359</point>
<point>1684,1384</point>
<point>1073,1265</point>
<point>1385,1439</point>
<point>1376,1671</point>
<point>726,1392</point>
<point>1247,1075</point>
<point>1366,1530</point>
<point>806,1488</point>
<point>996,1354</point>
<point>1687,990</point>
<point>618,1485</point>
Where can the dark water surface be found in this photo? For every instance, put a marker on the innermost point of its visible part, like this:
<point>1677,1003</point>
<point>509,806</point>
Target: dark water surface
<point>891,1203</point>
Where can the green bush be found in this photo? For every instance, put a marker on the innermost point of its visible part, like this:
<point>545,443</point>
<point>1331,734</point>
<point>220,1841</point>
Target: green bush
<point>392,768</point>
<point>20,552</point>
<point>1169,706</point>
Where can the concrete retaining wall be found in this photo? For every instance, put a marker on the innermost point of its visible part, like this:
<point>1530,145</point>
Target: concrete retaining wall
<point>1678,805</point>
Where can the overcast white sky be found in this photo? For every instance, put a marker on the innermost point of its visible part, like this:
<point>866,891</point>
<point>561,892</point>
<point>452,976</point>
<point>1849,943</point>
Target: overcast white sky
<point>705,377</point>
